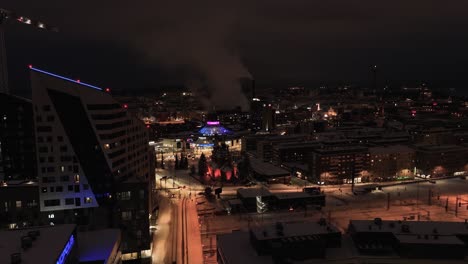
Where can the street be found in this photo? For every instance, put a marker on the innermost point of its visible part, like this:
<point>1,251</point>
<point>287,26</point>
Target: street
<point>177,238</point>
<point>188,225</point>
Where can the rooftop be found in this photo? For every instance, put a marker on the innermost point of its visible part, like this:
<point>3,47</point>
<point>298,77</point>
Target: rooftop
<point>292,195</point>
<point>296,145</point>
<point>290,230</point>
<point>98,245</point>
<point>235,248</point>
<point>253,192</point>
<point>341,149</point>
<point>267,169</point>
<point>415,228</point>
<point>429,239</point>
<point>390,149</point>
<point>47,247</point>
<point>440,147</point>
<point>214,128</point>
<point>19,183</point>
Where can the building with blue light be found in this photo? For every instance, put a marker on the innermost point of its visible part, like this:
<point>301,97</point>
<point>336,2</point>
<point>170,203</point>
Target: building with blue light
<point>94,163</point>
<point>60,244</point>
<point>214,128</point>
<point>47,244</point>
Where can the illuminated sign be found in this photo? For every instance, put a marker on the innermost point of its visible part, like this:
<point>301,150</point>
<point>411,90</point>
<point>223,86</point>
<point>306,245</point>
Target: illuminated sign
<point>206,145</point>
<point>66,251</point>
<point>212,123</point>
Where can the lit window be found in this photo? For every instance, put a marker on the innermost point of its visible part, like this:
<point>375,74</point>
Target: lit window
<point>88,200</point>
<point>124,195</point>
<point>62,168</point>
<point>127,215</point>
<point>77,178</point>
<point>18,204</point>
<point>106,146</point>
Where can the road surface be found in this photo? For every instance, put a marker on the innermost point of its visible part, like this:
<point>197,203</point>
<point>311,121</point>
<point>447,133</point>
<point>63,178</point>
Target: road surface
<point>177,238</point>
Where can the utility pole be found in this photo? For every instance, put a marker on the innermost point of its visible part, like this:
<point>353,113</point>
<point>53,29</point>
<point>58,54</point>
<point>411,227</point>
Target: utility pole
<point>456,205</point>
<point>374,78</point>
<point>388,201</point>
<point>446,205</point>
<point>417,196</point>
<point>352,172</point>
<point>429,197</point>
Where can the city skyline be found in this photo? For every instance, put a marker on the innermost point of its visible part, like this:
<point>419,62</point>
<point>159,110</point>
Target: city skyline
<point>244,132</point>
<point>278,44</point>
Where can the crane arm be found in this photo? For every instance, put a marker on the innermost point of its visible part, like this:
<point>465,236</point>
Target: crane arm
<point>6,15</point>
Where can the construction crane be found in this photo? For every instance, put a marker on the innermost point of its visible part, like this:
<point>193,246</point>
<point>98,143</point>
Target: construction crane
<point>5,17</point>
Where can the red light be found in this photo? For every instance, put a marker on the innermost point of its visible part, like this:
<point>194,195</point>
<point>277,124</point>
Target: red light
<point>107,90</point>
<point>125,106</point>
<point>30,66</point>
<point>78,81</point>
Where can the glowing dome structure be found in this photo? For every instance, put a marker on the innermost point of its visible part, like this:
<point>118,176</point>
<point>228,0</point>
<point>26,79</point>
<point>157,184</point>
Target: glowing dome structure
<point>214,128</point>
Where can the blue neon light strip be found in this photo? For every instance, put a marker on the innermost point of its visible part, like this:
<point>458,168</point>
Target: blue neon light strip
<point>66,251</point>
<point>66,79</point>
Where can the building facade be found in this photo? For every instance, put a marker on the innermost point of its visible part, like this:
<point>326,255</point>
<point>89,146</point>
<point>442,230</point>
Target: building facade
<point>391,163</point>
<point>19,204</point>
<point>441,160</point>
<point>93,160</point>
<point>17,148</point>
<point>337,165</point>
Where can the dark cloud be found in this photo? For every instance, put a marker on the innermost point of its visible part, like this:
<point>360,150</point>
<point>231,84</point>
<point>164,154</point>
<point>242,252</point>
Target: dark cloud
<point>214,43</point>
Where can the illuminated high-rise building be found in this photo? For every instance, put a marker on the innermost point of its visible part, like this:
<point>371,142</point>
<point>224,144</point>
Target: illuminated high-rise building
<point>94,162</point>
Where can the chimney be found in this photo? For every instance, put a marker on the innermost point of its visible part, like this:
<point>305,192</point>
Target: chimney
<point>253,89</point>
<point>15,258</point>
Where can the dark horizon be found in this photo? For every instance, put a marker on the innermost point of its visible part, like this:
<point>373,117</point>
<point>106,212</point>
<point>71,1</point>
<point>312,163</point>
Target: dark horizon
<point>278,44</point>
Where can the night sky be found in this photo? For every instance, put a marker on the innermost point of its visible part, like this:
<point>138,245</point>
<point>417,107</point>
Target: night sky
<point>149,44</point>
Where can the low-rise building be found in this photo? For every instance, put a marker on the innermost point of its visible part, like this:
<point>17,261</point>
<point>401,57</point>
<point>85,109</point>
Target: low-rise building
<point>268,172</point>
<point>367,241</point>
<point>441,160</point>
<point>412,240</point>
<point>49,244</point>
<point>19,204</point>
<point>278,243</point>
